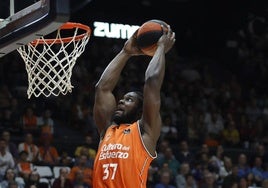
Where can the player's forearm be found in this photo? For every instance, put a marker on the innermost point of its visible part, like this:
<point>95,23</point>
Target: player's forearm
<point>111,74</point>
<point>156,69</point>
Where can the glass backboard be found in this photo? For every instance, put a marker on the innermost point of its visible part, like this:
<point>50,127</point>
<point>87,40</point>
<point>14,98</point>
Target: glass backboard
<point>24,21</point>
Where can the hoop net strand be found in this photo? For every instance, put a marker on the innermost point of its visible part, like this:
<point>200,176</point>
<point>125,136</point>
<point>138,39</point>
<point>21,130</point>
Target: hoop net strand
<point>49,62</point>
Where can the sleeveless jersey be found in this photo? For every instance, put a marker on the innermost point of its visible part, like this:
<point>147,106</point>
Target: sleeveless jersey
<point>122,161</point>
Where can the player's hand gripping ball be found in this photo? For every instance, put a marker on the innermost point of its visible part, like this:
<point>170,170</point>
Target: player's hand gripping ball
<point>148,35</point>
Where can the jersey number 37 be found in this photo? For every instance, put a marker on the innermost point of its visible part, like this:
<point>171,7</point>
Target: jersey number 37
<point>109,170</point>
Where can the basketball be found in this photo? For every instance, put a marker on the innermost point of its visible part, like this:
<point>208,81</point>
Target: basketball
<point>148,35</point>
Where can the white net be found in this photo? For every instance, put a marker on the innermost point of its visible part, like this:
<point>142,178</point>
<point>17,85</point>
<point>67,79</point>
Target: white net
<point>49,62</point>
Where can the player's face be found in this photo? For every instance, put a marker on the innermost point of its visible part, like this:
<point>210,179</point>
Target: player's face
<point>127,109</point>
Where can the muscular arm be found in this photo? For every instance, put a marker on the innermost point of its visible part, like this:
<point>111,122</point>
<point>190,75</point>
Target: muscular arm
<point>154,75</point>
<point>151,119</point>
<point>104,99</point>
<point>105,103</point>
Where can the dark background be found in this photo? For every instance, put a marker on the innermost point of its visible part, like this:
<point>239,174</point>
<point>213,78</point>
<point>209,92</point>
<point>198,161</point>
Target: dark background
<point>201,26</point>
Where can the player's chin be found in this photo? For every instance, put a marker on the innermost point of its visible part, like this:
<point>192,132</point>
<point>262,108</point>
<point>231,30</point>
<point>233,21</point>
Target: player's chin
<point>117,116</point>
<point>118,113</point>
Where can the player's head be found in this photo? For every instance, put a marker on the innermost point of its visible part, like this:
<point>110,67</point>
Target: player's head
<point>129,108</point>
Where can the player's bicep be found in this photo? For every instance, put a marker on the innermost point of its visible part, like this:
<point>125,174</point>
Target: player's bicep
<point>151,110</point>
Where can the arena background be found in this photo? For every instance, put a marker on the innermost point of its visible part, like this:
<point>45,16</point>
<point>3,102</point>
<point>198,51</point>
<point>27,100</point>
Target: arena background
<point>205,29</point>
<point>211,22</point>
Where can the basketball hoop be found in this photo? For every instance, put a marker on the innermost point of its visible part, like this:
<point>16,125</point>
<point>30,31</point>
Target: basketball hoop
<point>49,61</point>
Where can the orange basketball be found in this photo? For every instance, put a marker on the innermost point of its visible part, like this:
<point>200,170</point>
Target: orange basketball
<point>148,35</point>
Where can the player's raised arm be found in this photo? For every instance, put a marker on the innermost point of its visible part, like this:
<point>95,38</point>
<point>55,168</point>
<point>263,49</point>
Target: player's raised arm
<point>151,119</point>
<point>105,103</point>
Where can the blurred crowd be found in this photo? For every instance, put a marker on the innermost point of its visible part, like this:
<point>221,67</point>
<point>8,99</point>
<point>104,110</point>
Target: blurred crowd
<point>214,110</point>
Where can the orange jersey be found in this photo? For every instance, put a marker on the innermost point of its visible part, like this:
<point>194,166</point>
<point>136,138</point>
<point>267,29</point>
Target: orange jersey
<point>49,155</point>
<point>122,159</point>
<point>25,167</point>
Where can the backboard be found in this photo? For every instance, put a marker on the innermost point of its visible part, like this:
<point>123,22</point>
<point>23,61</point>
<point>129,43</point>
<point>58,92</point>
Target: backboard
<point>24,21</point>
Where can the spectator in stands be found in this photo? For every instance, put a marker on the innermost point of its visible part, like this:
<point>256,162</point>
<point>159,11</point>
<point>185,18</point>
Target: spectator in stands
<point>252,110</point>
<point>252,132</point>
<point>10,176</point>
<point>62,181</point>
<point>214,124</point>
<point>227,168</point>
<point>265,171</point>
<point>230,135</point>
<point>165,180</point>
<point>257,170</point>
<point>66,159</point>
<point>197,171</point>
<point>79,180</point>
<point>244,130</point>
<point>24,167</point>
<point>261,133</point>
<point>250,180</point>
<point>152,174</point>
<point>163,144</point>
<point>88,145</point>
<point>46,125</point>
<point>163,168</point>
<point>201,127</point>
<point>243,166</point>
<point>190,181</point>
<point>29,121</point>
<point>49,154</point>
<point>218,157</point>
<point>79,111</point>
<point>13,184</point>
<point>203,161</point>
<point>231,179</point>
<point>169,159</point>
<point>180,178</point>
<point>6,159</point>
<point>192,131</point>
<point>81,167</point>
<point>259,150</point>
<point>30,147</point>
<point>209,181</point>
<point>168,130</point>
<point>184,154</point>
<point>89,162</point>
<point>11,146</point>
<point>211,140</point>
<point>34,181</point>
<point>264,183</point>
<point>243,183</point>
<point>203,154</point>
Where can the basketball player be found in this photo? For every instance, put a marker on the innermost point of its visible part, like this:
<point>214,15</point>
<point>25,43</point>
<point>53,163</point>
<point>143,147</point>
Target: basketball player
<point>130,129</point>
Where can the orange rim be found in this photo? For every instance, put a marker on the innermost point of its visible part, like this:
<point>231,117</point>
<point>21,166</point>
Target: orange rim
<point>66,26</point>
